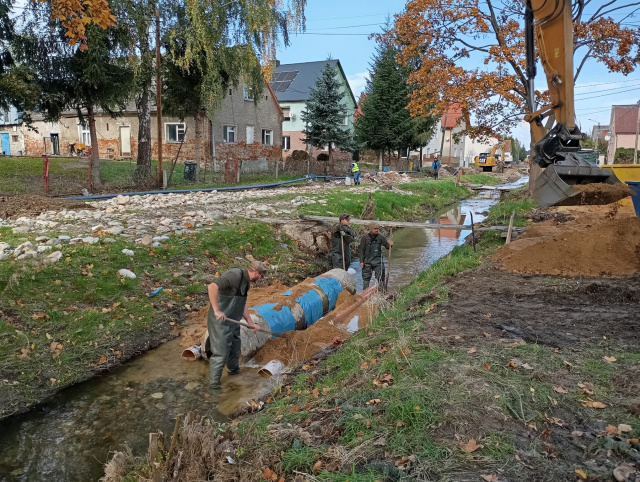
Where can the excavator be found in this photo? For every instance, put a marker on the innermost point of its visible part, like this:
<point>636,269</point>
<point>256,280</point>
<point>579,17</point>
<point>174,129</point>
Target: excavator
<point>489,160</point>
<point>566,178</point>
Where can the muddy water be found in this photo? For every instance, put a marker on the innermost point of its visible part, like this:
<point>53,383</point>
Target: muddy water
<point>69,438</point>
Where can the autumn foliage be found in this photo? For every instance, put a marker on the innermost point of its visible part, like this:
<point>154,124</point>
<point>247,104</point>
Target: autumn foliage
<point>75,15</point>
<point>472,52</point>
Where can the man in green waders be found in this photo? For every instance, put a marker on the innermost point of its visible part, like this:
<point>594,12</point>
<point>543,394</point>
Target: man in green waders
<point>228,297</point>
<point>371,256</point>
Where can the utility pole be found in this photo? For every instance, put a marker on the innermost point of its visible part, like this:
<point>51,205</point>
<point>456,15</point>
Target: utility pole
<point>635,152</point>
<point>444,131</point>
<point>159,99</point>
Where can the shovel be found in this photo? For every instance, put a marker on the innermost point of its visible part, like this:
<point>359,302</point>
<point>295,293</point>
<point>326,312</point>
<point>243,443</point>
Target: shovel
<point>246,325</point>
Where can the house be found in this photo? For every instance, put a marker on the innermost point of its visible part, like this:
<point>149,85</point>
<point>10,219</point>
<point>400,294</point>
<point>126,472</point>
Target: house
<point>244,128</point>
<point>11,132</point>
<point>292,84</point>
<point>622,129</point>
<point>457,149</point>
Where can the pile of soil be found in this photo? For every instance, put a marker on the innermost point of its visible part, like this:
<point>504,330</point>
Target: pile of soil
<point>30,205</point>
<point>548,214</point>
<point>599,193</point>
<point>610,247</point>
<point>391,177</point>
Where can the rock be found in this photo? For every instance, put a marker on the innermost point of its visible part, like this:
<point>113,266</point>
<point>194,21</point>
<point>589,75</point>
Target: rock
<point>214,215</point>
<point>157,395</point>
<point>54,257</point>
<point>42,249</point>
<point>27,254</point>
<point>191,386</point>
<point>122,200</point>
<point>128,252</point>
<point>166,222</point>
<point>156,244</point>
<point>146,240</point>
<point>115,230</point>
<point>125,273</point>
<point>64,239</point>
<point>4,256</point>
<point>53,242</point>
<point>623,473</point>
<point>189,214</point>
<point>4,247</point>
<point>26,246</point>
<point>160,238</point>
<point>21,230</point>
<point>163,229</point>
<point>75,241</point>
<point>108,240</point>
<point>251,212</point>
<point>42,239</point>
<point>97,227</point>
<point>90,240</point>
<point>109,210</point>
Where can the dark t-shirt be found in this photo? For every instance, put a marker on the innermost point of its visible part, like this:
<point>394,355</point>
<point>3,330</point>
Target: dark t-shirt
<point>229,282</point>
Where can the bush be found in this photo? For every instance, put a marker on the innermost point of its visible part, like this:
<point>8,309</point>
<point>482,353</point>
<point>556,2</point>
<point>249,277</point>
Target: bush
<point>623,155</point>
<point>299,155</point>
<point>323,157</point>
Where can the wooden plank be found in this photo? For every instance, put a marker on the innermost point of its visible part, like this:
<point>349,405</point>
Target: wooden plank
<point>395,224</point>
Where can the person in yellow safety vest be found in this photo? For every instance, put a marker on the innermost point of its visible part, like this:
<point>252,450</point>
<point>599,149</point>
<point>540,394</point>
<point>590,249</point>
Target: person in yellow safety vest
<point>356,172</point>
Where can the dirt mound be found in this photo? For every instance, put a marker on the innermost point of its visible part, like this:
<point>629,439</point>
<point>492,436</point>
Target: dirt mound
<point>599,193</point>
<point>29,205</point>
<point>547,214</point>
<point>608,248</point>
<point>390,177</point>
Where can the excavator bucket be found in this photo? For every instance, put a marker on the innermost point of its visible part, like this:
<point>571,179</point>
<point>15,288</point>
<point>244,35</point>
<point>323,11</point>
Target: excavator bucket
<point>562,185</point>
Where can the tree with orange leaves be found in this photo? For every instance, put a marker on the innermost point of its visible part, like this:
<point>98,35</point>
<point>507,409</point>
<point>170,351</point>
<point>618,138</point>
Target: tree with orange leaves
<point>472,52</point>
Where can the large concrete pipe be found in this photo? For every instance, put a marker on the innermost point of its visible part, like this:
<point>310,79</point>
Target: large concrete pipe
<point>295,309</point>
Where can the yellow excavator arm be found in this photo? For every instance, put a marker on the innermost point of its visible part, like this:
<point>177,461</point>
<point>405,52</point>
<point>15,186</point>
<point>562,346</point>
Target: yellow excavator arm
<point>549,25</point>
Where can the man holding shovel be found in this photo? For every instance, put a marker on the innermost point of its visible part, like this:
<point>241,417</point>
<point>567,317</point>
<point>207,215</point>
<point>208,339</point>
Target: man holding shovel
<point>341,243</point>
<point>228,297</point>
<point>371,256</point>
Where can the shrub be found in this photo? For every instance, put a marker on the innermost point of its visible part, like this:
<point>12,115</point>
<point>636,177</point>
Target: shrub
<point>623,155</point>
<point>323,157</point>
<point>299,155</point>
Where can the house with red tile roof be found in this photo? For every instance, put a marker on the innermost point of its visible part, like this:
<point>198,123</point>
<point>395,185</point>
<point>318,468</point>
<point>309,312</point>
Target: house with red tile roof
<point>622,129</point>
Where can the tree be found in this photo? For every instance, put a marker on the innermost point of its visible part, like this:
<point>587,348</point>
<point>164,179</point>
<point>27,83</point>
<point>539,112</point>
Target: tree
<point>447,35</point>
<point>324,115</point>
<point>518,151</point>
<point>69,78</point>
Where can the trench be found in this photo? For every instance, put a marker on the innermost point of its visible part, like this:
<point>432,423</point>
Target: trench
<point>71,436</point>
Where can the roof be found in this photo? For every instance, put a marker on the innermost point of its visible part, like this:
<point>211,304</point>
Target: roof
<point>453,114</point>
<point>625,119</point>
<point>293,82</point>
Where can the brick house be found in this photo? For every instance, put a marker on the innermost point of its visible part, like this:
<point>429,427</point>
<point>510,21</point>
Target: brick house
<point>292,84</point>
<point>244,128</point>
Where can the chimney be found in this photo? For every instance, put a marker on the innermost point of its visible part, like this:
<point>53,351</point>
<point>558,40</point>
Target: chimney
<point>277,63</point>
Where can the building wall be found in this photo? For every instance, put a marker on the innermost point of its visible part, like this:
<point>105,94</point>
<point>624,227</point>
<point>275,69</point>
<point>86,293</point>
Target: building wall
<point>16,139</point>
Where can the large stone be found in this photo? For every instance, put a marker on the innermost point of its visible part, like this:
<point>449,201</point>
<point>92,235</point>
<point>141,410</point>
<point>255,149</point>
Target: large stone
<point>125,273</point>
<point>162,229</point>
<point>166,222</point>
<point>54,257</point>
<point>122,200</point>
<point>42,239</point>
<point>115,230</point>
<point>108,240</point>
<point>214,215</point>
<point>160,238</point>
<point>27,254</point>
<point>42,249</point>
<point>146,240</point>
<point>97,227</point>
<point>4,256</point>
<point>128,252</point>
<point>109,210</point>
<point>21,229</point>
<point>64,238</point>
<point>54,242</point>
<point>189,214</point>
<point>4,247</point>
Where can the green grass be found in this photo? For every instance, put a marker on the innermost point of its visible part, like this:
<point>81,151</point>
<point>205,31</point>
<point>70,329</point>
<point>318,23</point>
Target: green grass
<point>484,179</point>
<point>428,196</point>
<point>501,213</point>
<point>81,302</point>
<point>69,175</point>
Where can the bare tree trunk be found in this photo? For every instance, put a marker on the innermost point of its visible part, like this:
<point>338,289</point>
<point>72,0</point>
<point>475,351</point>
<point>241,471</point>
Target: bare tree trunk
<point>198,141</point>
<point>331,166</point>
<point>380,162</point>
<point>143,165</point>
<point>95,153</point>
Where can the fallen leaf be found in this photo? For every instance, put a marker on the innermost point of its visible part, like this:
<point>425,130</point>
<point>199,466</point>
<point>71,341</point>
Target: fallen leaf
<point>102,360</point>
<point>567,363</point>
<point>560,389</point>
<point>587,391</point>
<point>471,351</point>
<point>315,392</point>
<point>382,349</point>
<point>623,427</point>
<point>40,316</point>
<point>591,403</point>
<point>581,473</point>
<point>488,315</point>
<point>515,362</point>
<point>293,409</point>
<point>406,351</point>
<point>634,440</point>
<point>487,335</point>
<point>400,423</point>
<point>470,446</point>
<point>490,478</point>
<point>317,466</point>
<point>401,461</point>
<point>375,401</point>
<point>269,474</point>
<point>486,366</point>
<point>611,430</point>
<point>610,359</point>
<point>55,348</point>
<point>364,366</point>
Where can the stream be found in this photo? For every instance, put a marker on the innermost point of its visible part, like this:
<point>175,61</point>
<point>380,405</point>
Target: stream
<point>70,437</point>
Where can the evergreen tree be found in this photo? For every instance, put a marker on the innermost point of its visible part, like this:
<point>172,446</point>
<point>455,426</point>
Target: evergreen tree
<point>324,115</point>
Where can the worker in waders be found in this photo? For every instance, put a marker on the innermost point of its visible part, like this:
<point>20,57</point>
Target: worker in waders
<point>228,298</point>
<point>371,256</point>
<point>341,238</point>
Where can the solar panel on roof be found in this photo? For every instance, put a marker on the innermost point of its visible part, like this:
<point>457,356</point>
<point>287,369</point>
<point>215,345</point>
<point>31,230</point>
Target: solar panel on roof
<point>284,86</point>
<point>290,75</point>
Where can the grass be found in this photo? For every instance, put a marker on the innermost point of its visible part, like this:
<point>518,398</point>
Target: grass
<point>100,319</point>
<point>483,179</point>
<point>428,196</point>
<point>69,175</point>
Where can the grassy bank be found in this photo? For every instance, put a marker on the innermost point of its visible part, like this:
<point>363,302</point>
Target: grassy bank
<point>24,175</point>
<point>61,323</point>
<point>427,196</point>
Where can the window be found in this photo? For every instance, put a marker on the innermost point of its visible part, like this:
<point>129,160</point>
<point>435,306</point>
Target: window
<point>229,134</point>
<point>404,152</point>
<point>175,132</point>
<point>247,92</point>
<point>251,138</point>
<point>14,138</point>
<point>286,143</point>
<point>267,137</point>
<point>286,111</point>
<point>345,121</point>
<point>85,135</point>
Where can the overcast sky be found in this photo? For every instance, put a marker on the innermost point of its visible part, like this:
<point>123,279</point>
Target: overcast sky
<point>340,28</point>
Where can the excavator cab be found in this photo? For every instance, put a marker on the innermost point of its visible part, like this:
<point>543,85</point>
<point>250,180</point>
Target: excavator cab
<point>567,178</point>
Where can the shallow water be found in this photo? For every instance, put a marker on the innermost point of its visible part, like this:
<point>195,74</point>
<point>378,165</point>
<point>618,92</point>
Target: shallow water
<point>71,437</point>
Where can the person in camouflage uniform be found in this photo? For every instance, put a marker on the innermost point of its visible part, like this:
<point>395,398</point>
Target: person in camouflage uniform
<point>342,235</point>
<point>371,256</point>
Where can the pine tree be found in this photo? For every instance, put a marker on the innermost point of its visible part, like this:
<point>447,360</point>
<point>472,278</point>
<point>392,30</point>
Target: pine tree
<point>324,115</point>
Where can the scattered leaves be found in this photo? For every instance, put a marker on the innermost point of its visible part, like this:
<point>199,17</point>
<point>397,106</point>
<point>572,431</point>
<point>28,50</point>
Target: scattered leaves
<point>560,389</point>
<point>55,348</point>
<point>581,473</point>
<point>470,446</point>
<point>610,359</point>
<point>591,403</point>
<point>471,351</point>
<point>490,478</point>
<point>515,363</point>
<point>384,381</point>
<point>381,442</point>
<point>315,392</point>
<point>486,366</point>
<point>375,401</point>
<point>102,360</point>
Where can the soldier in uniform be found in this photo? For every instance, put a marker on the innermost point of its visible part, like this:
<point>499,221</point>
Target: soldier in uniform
<point>342,236</point>
<point>228,297</point>
<point>371,256</point>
